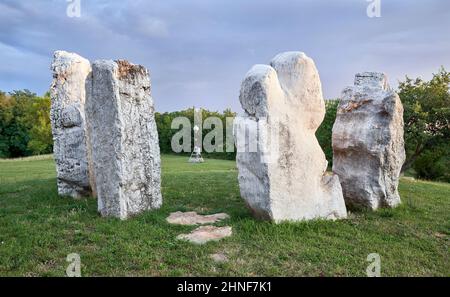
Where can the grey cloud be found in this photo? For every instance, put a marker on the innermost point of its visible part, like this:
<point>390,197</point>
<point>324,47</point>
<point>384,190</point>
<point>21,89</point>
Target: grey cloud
<point>198,51</point>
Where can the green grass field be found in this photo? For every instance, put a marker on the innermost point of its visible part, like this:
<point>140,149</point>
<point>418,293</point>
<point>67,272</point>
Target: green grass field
<point>38,230</point>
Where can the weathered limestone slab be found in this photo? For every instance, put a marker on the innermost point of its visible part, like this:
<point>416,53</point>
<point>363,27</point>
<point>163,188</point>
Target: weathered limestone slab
<point>192,218</point>
<point>68,123</point>
<point>368,145</point>
<point>125,149</point>
<point>284,101</point>
<point>203,234</point>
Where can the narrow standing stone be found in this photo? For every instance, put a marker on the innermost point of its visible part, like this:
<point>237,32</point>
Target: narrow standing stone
<point>368,145</point>
<point>285,180</point>
<point>125,147</point>
<point>68,123</point>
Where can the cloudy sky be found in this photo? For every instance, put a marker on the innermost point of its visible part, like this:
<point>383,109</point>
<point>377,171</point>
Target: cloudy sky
<point>198,51</point>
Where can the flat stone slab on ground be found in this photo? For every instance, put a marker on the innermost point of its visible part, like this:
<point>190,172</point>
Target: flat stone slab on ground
<point>192,218</point>
<point>203,234</point>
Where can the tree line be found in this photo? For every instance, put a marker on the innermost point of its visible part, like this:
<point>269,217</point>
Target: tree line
<point>25,126</point>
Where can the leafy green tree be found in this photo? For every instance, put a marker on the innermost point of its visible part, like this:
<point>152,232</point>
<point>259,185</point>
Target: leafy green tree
<point>6,116</point>
<point>24,124</point>
<point>426,115</point>
<point>40,133</point>
<point>324,132</point>
<point>14,128</point>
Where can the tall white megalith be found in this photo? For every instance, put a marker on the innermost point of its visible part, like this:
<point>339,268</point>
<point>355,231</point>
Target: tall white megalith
<point>68,123</point>
<point>124,139</point>
<point>282,176</point>
<point>368,145</point>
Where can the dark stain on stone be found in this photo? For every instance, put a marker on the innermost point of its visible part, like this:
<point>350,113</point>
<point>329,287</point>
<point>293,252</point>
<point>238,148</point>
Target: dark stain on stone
<point>258,213</point>
<point>353,105</point>
<point>128,70</point>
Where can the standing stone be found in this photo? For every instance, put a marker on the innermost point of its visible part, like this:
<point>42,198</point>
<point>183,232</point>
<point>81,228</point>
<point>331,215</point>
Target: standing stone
<point>125,149</point>
<point>368,145</point>
<point>68,123</point>
<point>284,100</point>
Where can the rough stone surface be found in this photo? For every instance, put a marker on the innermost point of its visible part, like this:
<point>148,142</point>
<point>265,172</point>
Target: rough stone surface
<point>68,124</point>
<point>292,185</point>
<point>124,139</point>
<point>192,218</point>
<point>368,145</point>
<point>203,234</point>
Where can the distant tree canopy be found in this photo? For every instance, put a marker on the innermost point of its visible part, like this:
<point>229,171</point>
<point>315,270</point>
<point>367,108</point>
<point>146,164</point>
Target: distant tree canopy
<point>427,125</point>
<point>25,126</point>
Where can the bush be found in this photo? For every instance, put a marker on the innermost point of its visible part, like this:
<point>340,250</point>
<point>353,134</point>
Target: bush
<point>433,165</point>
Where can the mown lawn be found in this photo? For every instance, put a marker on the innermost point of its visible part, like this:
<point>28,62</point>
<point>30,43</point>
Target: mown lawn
<point>38,230</point>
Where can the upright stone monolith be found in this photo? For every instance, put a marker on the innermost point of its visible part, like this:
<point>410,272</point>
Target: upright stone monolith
<point>68,124</point>
<point>285,179</point>
<point>124,139</point>
<point>368,145</point>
